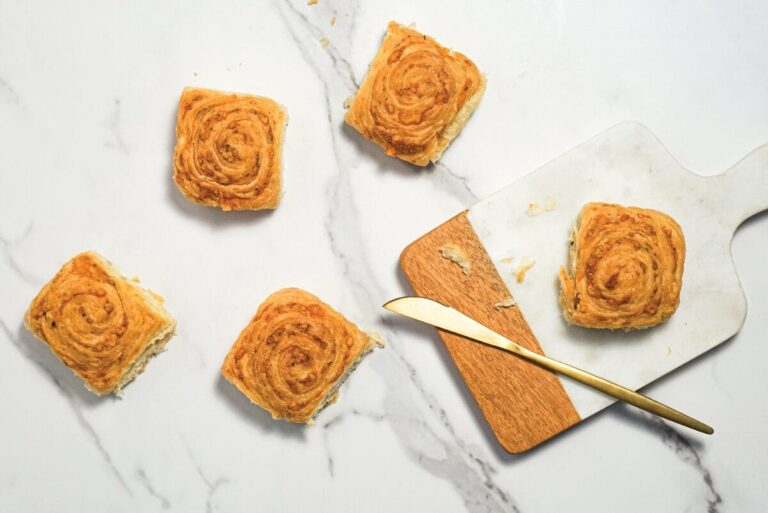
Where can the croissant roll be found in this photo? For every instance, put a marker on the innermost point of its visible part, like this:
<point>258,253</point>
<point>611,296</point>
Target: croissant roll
<point>228,149</point>
<point>294,355</point>
<point>626,268</point>
<point>416,97</point>
<point>102,326</point>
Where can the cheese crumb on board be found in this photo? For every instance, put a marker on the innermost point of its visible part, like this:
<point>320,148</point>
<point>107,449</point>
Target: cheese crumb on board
<point>311,2</point>
<point>533,209</point>
<point>324,42</point>
<point>507,260</point>
<point>523,268</point>
<point>348,101</point>
<point>507,303</point>
<point>333,21</point>
<point>453,253</point>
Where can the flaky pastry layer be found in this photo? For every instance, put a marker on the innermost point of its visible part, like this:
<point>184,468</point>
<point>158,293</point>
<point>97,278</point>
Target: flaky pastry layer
<point>417,96</point>
<point>229,149</point>
<point>99,324</point>
<point>294,354</point>
<point>626,268</point>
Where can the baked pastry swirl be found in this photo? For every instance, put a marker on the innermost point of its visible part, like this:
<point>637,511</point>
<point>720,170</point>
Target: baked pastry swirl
<point>102,326</point>
<point>626,268</point>
<point>294,355</point>
<point>228,149</point>
<point>416,97</point>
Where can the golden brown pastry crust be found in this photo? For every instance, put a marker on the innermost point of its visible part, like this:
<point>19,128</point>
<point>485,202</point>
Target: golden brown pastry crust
<point>228,149</point>
<point>416,97</point>
<point>626,268</point>
<point>294,354</point>
<point>98,323</point>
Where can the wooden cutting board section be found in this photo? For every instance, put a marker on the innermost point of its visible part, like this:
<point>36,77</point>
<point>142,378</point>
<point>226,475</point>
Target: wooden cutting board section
<point>523,404</point>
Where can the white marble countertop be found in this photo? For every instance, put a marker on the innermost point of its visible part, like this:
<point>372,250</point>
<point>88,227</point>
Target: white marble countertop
<point>88,95</point>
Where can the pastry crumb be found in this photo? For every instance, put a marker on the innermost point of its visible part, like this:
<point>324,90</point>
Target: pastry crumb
<point>549,203</point>
<point>453,253</point>
<point>348,101</point>
<point>311,2</point>
<point>523,268</point>
<point>333,21</point>
<point>669,350</point>
<point>507,303</point>
<point>324,42</point>
<point>507,260</point>
<point>533,209</point>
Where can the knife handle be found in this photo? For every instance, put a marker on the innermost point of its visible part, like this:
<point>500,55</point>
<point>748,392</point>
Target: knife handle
<point>610,388</point>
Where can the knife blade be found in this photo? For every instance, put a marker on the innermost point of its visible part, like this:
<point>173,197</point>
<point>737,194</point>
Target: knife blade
<point>449,319</point>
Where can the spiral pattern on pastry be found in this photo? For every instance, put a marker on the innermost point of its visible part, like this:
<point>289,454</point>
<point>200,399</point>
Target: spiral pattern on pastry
<point>228,149</point>
<point>96,323</point>
<point>294,354</point>
<point>626,268</point>
<point>416,97</point>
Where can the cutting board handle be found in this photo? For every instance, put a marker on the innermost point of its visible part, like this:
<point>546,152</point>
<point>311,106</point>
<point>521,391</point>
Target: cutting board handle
<point>743,189</point>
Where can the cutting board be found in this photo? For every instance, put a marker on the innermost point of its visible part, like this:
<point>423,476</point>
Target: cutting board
<point>523,404</point>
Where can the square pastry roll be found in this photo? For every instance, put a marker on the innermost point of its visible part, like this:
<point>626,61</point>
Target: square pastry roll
<point>294,355</point>
<point>416,97</point>
<point>626,268</point>
<point>229,149</point>
<point>102,326</point>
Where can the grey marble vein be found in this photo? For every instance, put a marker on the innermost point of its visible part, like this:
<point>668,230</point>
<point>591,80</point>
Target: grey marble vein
<point>9,92</point>
<point>212,486</point>
<point>7,248</point>
<point>454,184</point>
<point>326,432</point>
<point>375,417</point>
<point>338,419</point>
<point>116,139</point>
<point>713,372</point>
<point>470,475</point>
<point>86,426</point>
<point>686,451</point>
<point>147,484</point>
<point>340,64</point>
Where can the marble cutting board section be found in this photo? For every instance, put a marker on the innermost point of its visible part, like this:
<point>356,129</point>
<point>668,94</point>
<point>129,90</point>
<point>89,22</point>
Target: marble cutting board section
<point>625,164</point>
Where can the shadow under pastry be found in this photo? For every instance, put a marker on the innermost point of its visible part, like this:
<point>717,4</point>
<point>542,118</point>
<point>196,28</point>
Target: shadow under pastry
<point>211,216</point>
<point>256,415</point>
<point>62,377</point>
<point>371,152</point>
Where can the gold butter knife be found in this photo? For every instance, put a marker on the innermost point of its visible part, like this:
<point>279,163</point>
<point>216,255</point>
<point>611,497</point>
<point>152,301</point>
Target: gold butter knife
<point>449,319</point>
